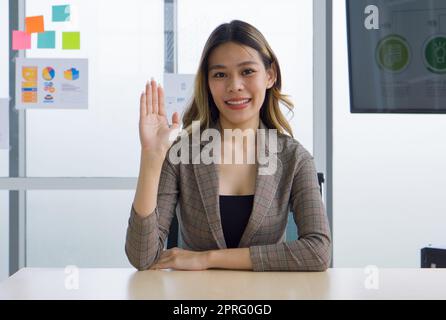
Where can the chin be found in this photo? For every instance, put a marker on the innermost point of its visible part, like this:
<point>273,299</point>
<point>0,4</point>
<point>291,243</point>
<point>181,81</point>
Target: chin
<point>238,119</point>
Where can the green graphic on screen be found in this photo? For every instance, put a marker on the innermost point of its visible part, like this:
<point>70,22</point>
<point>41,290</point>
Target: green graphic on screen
<point>435,54</point>
<point>393,53</point>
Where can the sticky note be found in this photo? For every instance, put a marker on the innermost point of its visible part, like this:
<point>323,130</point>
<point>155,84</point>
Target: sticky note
<point>21,40</point>
<point>46,40</point>
<point>61,13</point>
<point>71,40</point>
<point>34,24</point>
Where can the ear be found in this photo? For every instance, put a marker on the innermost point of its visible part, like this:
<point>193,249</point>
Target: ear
<point>271,75</point>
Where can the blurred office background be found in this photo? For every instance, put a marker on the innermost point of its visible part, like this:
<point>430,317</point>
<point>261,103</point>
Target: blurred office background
<point>125,45</point>
<point>386,194</point>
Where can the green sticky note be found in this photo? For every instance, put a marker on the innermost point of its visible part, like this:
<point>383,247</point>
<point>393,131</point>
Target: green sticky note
<point>61,13</point>
<point>46,40</point>
<point>71,40</point>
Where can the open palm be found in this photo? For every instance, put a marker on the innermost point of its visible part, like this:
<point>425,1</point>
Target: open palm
<point>154,130</point>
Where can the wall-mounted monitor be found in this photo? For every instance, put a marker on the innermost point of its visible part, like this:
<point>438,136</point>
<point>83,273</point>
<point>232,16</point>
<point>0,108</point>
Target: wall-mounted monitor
<point>397,56</point>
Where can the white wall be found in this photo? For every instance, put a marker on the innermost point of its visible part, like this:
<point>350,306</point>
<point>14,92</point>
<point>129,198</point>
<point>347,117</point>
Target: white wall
<point>4,156</point>
<point>388,176</point>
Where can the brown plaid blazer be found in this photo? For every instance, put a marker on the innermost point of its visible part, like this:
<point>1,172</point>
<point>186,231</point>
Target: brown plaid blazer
<point>195,189</point>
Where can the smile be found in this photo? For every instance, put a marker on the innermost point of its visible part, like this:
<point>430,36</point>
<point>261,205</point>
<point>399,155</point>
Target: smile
<point>238,104</point>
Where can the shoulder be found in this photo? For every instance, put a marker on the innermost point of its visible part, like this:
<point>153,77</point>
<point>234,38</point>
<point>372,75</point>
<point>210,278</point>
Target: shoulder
<point>291,152</point>
<point>292,147</point>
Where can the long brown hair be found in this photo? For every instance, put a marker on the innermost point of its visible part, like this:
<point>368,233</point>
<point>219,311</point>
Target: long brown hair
<point>202,106</point>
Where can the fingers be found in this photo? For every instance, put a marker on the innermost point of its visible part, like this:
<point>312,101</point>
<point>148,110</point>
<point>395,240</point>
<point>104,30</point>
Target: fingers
<point>163,263</point>
<point>142,105</point>
<point>168,259</point>
<point>152,101</point>
<point>160,266</point>
<point>167,253</point>
<point>154,96</point>
<point>149,97</point>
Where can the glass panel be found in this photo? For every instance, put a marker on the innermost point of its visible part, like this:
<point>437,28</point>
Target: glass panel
<point>287,26</point>
<point>4,75</point>
<point>82,228</point>
<point>4,234</point>
<point>4,155</point>
<point>124,44</point>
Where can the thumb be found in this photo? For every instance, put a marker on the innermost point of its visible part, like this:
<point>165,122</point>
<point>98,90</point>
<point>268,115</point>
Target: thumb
<point>175,120</point>
<point>175,128</point>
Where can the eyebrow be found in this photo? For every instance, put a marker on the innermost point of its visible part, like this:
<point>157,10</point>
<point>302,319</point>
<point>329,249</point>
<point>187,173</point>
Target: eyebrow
<point>220,66</point>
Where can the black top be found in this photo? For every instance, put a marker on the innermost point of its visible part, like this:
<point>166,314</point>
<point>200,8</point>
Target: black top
<point>235,212</point>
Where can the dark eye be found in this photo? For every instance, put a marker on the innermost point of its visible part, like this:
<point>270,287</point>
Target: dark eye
<point>248,71</point>
<point>219,75</point>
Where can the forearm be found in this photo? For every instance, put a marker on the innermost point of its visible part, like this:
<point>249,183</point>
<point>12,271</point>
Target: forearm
<point>148,181</point>
<point>142,245</point>
<point>309,253</point>
<point>236,259</point>
<point>142,240</point>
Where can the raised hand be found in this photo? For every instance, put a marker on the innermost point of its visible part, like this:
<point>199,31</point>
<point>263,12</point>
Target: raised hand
<point>154,131</point>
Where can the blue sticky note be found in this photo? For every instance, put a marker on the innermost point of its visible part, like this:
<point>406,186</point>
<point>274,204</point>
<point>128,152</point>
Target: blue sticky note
<point>46,40</point>
<point>61,13</point>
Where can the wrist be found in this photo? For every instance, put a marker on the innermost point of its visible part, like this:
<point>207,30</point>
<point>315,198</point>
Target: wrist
<point>210,259</point>
<point>152,157</point>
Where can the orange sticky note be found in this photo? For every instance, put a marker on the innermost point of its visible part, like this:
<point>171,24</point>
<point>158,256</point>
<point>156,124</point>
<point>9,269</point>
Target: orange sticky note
<point>21,40</point>
<point>34,24</point>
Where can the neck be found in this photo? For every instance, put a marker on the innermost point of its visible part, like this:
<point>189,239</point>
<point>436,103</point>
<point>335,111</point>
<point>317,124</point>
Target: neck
<point>251,124</point>
<point>229,145</point>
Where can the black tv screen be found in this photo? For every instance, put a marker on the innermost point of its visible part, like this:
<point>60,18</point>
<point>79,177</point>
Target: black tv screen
<point>397,56</point>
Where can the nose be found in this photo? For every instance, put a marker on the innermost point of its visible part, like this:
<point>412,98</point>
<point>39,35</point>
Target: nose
<point>235,84</point>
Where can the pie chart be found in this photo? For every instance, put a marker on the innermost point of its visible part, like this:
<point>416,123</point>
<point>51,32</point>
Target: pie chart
<point>48,73</point>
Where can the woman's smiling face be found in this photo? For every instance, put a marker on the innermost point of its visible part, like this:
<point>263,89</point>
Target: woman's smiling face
<point>238,82</point>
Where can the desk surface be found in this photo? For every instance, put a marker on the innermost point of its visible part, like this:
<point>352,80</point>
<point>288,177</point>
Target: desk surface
<point>33,283</point>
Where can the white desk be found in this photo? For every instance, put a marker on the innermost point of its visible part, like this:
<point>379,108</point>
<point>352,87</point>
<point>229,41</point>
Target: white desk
<point>31,283</point>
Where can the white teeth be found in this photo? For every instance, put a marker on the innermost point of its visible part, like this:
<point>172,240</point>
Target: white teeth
<point>237,102</point>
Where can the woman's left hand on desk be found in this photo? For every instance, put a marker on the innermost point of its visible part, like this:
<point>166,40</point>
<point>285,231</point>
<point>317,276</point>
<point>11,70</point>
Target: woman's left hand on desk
<point>180,259</point>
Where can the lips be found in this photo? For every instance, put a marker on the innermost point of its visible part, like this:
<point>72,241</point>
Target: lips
<point>237,104</point>
<point>238,101</point>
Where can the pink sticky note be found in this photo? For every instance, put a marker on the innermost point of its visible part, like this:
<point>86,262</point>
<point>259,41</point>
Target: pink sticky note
<point>21,40</point>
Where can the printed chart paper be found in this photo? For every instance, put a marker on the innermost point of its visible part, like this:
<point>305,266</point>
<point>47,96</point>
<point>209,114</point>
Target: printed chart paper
<point>178,90</point>
<point>51,83</point>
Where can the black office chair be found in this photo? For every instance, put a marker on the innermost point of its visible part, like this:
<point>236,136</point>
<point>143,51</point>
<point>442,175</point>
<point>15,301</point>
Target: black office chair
<point>172,239</point>
<point>433,257</point>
